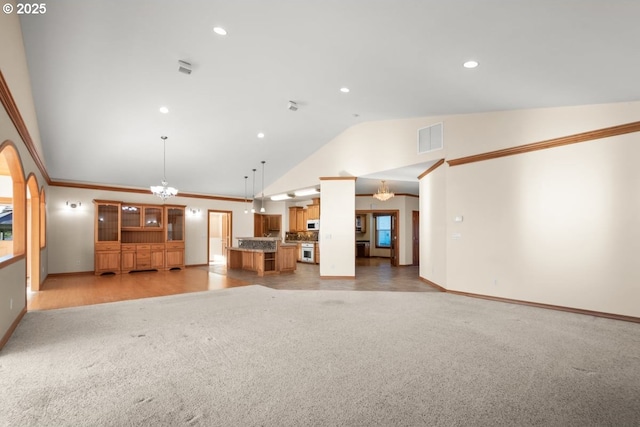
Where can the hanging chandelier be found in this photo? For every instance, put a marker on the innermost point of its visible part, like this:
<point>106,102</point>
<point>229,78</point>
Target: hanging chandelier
<point>383,193</point>
<point>164,191</point>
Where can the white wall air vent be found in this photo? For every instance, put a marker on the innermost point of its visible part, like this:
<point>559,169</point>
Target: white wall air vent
<point>430,138</point>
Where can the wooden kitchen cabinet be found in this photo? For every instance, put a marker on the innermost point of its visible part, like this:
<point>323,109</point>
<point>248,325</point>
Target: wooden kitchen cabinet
<point>361,223</point>
<point>316,253</point>
<point>297,219</point>
<point>313,210</point>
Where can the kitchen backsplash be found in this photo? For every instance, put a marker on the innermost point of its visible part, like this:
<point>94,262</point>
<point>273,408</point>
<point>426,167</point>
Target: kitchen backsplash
<point>304,236</point>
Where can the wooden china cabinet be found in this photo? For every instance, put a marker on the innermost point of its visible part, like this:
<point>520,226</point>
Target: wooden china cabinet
<point>134,237</point>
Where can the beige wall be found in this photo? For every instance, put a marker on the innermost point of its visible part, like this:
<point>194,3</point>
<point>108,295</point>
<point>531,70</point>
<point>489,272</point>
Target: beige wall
<point>433,226</point>
<point>558,226</point>
<point>72,255</point>
<point>14,69</point>
<point>336,236</point>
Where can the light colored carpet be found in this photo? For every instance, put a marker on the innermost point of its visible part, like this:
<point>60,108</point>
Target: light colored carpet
<point>253,356</point>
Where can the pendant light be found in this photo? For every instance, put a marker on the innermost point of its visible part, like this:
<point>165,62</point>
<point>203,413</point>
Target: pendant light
<point>253,197</point>
<point>164,191</point>
<point>262,202</point>
<point>246,210</point>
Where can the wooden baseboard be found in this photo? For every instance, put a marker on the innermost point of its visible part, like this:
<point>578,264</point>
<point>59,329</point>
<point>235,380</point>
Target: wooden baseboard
<point>338,277</point>
<point>12,328</point>
<point>536,304</point>
<point>73,273</point>
<point>432,284</point>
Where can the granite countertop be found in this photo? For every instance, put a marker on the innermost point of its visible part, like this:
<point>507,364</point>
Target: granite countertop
<point>268,239</point>
<point>266,251</point>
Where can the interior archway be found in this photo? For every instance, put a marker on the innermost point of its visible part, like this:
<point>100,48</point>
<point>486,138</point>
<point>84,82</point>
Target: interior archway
<point>11,166</point>
<point>33,233</point>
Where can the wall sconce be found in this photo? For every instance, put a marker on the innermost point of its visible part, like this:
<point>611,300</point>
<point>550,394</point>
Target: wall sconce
<point>74,205</point>
<point>194,212</point>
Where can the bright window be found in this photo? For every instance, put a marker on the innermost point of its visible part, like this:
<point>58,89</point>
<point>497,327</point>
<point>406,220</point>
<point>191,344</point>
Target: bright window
<point>383,231</point>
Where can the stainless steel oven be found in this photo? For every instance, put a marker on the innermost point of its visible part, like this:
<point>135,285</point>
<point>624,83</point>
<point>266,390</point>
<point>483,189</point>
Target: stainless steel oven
<point>308,252</point>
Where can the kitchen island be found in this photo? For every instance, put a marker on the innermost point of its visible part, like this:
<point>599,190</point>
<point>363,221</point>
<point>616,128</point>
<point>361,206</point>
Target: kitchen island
<point>264,255</point>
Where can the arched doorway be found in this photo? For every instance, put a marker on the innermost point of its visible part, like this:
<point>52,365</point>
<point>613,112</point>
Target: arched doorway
<point>33,233</point>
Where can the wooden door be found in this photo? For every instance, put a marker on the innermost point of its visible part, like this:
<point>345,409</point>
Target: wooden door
<point>415,227</point>
<point>226,232</point>
<point>393,254</point>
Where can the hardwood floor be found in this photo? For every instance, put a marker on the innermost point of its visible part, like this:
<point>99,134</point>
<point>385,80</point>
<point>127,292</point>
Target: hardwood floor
<point>372,274</point>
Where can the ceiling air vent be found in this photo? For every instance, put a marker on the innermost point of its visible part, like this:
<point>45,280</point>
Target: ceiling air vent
<point>184,67</point>
<point>430,138</point>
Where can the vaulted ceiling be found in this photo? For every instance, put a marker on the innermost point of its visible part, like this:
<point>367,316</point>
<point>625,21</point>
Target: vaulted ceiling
<point>101,70</point>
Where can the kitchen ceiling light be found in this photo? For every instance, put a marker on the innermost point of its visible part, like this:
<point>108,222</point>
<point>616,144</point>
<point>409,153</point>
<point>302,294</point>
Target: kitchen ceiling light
<point>470,64</point>
<point>164,191</point>
<point>164,110</point>
<point>306,192</point>
<point>220,31</point>
<point>279,197</point>
<point>344,89</point>
<point>261,135</point>
<point>383,193</point>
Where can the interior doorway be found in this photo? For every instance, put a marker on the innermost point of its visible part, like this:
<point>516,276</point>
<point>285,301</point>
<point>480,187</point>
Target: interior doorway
<point>377,236</point>
<point>219,231</point>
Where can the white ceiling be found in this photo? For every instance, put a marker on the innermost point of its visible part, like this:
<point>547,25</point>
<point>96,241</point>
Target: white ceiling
<point>101,69</point>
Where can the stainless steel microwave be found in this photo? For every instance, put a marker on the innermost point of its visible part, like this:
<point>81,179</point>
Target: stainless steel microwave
<point>313,224</point>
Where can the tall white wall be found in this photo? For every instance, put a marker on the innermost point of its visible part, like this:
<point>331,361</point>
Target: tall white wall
<point>337,237</point>
<point>433,226</point>
<point>558,226</point>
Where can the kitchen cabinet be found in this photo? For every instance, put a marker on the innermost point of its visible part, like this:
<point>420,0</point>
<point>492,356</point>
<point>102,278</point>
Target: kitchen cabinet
<point>297,219</point>
<point>361,223</point>
<point>263,225</point>
<point>313,210</point>
<point>316,253</point>
<point>362,249</point>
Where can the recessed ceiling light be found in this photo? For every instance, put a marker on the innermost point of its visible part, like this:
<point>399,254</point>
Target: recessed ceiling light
<point>344,89</point>
<point>261,135</point>
<point>220,31</point>
<point>470,64</point>
<point>164,110</point>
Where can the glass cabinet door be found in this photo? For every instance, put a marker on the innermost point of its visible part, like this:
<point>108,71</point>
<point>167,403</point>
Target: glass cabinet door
<point>108,225</point>
<point>152,217</point>
<point>175,224</point>
<point>131,216</point>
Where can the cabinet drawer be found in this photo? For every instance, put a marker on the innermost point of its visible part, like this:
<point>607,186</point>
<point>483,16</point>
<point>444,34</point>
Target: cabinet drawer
<point>141,264</point>
<point>143,256</point>
<point>175,245</point>
<point>157,247</point>
<point>143,248</point>
<point>107,246</point>
<point>128,247</point>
